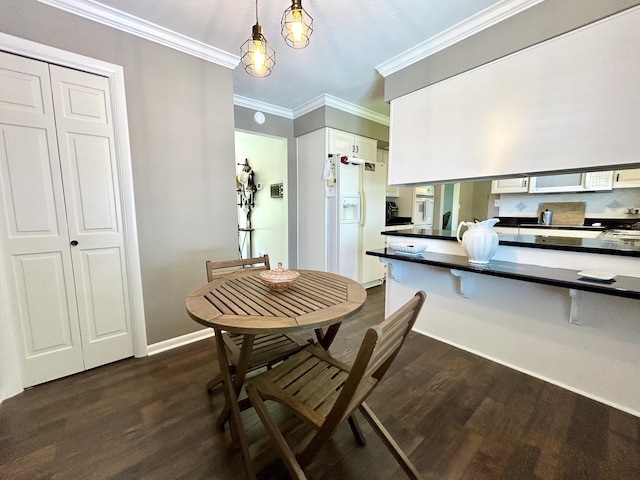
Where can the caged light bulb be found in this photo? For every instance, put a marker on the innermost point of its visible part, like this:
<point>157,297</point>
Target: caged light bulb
<point>258,56</point>
<point>297,27</point>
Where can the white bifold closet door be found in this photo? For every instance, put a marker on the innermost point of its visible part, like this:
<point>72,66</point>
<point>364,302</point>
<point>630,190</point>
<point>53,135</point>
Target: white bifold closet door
<point>61,219</point>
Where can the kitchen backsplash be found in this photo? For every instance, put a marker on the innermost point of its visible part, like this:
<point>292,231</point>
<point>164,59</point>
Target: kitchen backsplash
<point>613,204</point>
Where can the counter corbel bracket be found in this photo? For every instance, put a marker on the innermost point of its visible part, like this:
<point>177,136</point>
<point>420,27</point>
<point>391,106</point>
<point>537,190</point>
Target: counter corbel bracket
<point>466,282</point>
<point>575,300</point>
<point>395,268</point>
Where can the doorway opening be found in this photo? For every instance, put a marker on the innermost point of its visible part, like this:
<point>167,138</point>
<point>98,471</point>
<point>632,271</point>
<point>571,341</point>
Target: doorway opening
<point>261,187</point>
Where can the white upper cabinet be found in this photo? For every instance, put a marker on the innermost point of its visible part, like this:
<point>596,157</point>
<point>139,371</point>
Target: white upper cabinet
<point>565,182</point>
<point>626,178</point>
<point>510,185</point>
<point>572,182</point>
<point>354,145</point>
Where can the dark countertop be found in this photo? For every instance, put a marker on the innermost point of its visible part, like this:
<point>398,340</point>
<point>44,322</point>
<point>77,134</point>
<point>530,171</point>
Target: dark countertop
<point>398,221</point>
<point>558,227</point>
<point>605,223</point>
<point>621,286</point>
<point>617,246</point>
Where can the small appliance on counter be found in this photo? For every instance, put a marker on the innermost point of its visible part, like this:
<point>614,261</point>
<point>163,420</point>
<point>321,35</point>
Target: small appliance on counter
<point>392,217</point>
<point>546,217</point>
<point>392,210</point>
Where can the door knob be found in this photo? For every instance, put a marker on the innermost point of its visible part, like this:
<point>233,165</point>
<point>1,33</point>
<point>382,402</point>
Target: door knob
<point>74,243</point>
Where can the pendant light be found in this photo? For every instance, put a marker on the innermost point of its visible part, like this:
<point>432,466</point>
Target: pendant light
<point>256,54</point>
<point>297,25</point>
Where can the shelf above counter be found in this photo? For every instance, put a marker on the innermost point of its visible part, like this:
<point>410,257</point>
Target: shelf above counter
<point>621,286</point>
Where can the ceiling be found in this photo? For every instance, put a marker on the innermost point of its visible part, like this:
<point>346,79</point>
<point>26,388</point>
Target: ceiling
<point>350,38</point>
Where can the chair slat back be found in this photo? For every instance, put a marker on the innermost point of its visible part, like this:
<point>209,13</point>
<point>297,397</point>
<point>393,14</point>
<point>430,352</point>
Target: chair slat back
<point>379,348</point>
<point>216,268</point>
<point>391,334</point>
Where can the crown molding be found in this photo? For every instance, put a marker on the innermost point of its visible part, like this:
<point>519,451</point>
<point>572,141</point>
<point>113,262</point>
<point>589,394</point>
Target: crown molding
<point>482,20</point>
<point>327,100</point>
<point>119,20</point>
<point>262,107</point>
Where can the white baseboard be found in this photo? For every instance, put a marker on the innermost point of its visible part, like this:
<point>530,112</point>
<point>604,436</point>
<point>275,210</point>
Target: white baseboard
<point>179,341</point>
<point>615,405</point>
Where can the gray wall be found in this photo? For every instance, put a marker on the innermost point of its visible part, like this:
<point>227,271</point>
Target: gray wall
<point>538,23</point>
<point>278,127</point>
<point>182,144</point>
<point>341,120</point>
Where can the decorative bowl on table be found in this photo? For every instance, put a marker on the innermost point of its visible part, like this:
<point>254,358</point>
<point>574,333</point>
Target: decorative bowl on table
<point>408,248</point>
<point>279,279</point>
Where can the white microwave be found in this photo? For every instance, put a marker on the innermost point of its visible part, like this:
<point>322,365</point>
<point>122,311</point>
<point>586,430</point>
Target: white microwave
<point>572,182</point>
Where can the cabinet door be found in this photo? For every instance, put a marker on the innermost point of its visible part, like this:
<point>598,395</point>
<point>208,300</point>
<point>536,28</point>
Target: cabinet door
<point>510,185</point>
<point>626,178</point>
<point>365,148</point>
<point>598,181</point>
<point>341,142</point>
<point>564,182</point>
<point>349,144</point>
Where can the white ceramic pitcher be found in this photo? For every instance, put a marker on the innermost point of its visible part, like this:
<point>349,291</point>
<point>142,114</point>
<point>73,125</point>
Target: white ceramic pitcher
<point>479,242</point>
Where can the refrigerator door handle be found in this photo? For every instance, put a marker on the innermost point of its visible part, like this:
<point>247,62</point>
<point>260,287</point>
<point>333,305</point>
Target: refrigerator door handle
<point>363,210</point>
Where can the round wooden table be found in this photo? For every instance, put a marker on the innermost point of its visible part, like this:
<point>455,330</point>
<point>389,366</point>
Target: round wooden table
<point>239,302</point>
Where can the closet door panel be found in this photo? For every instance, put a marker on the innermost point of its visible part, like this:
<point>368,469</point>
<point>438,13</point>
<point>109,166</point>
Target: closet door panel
<point>51,337</point>
<point>89,171</point>
<point>21,91</point>
<point>103,307</point>
<point>29,197</point>
<point>35,236</point>
<point>90,160</point>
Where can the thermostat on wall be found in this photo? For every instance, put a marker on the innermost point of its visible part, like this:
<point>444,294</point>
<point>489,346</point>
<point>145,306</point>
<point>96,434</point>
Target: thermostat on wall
<point>277,190</point>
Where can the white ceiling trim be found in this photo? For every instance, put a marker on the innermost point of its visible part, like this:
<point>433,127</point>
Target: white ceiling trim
<point>324,100</point>
<point>262,107</point>
<point>150,31</point>
<point>331,101</point>
<point>482,20</point>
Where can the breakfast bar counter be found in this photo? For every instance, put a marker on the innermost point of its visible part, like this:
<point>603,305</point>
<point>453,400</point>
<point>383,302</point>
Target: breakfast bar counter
<point>529,308</point>
<point>620,286</point>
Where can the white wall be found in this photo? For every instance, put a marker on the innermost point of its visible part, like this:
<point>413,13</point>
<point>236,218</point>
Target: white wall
<point>268,158</point>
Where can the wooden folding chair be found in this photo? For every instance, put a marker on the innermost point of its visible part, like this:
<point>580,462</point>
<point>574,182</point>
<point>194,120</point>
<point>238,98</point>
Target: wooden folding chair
<point>325,392</point>
<point>267,348</point>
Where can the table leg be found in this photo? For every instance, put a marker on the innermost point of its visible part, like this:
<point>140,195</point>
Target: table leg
<point>241,372</point>
<point>231,400</point>
<point>327,339</point>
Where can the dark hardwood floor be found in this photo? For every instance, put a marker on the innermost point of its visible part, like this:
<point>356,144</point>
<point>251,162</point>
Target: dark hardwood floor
<point>458,416</point>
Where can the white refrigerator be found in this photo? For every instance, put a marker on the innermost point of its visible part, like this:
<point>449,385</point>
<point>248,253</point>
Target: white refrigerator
<point>355,218</point>
<point>330,241</point>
